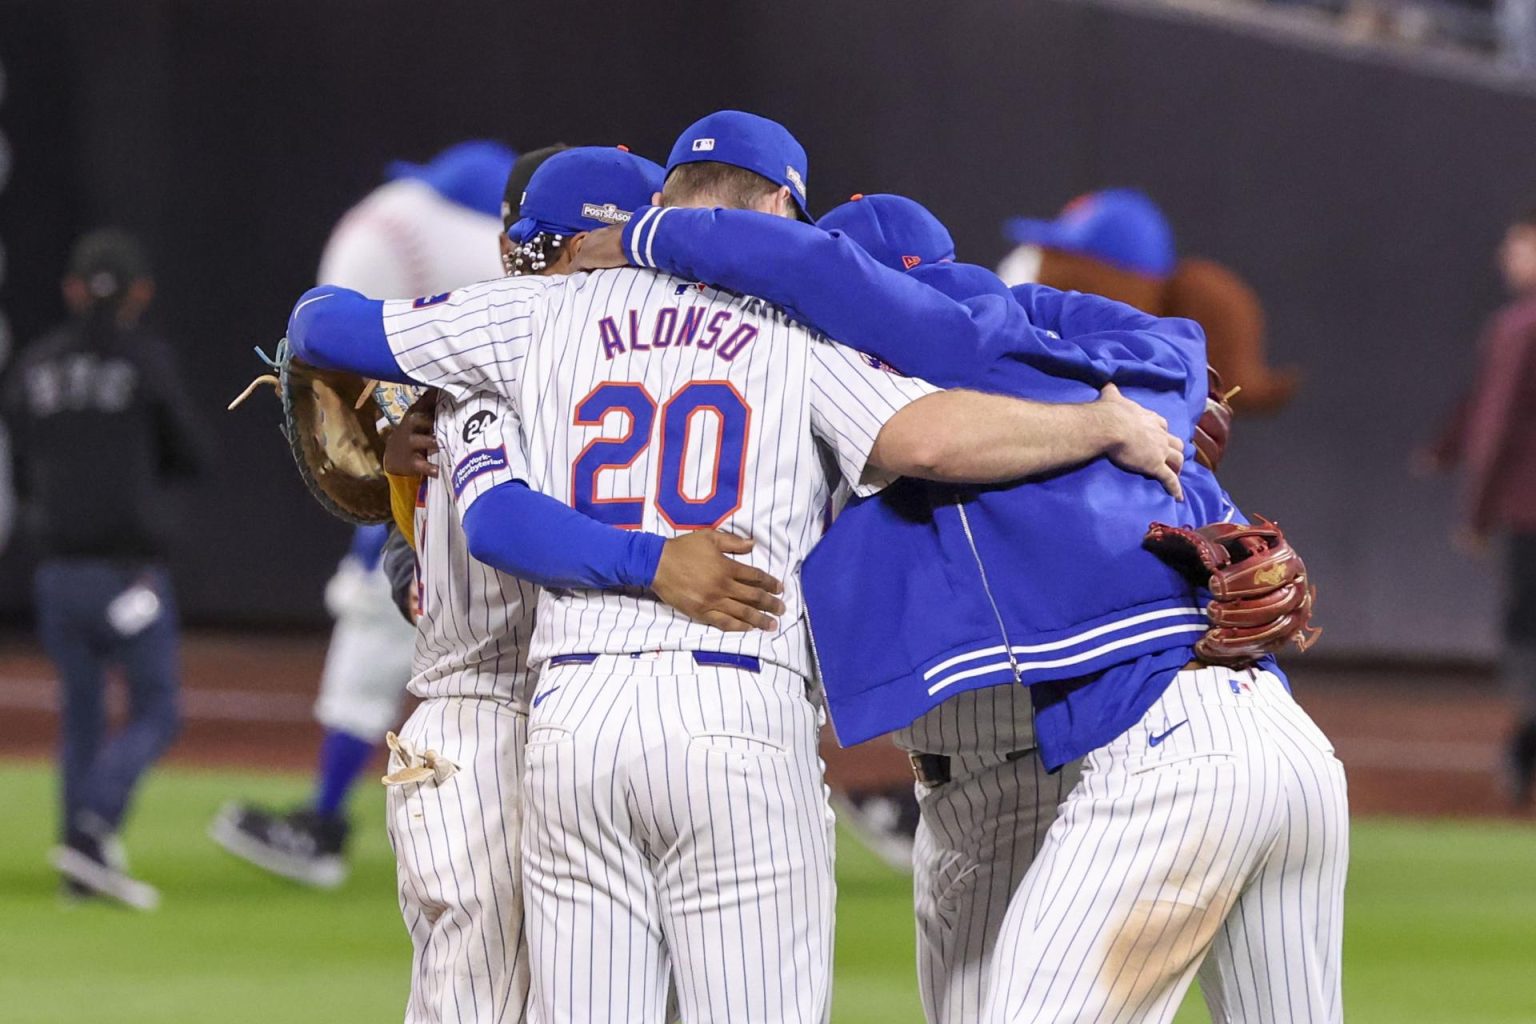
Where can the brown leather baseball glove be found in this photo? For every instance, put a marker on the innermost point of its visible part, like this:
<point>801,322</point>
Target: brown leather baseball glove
<point>1261,597</point>
<point>332,422</point>
<point>1214,427</point>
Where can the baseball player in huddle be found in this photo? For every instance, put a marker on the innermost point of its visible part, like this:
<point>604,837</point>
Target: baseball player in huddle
<point>1208,829</point>
<point>677,823</point>
<point>455,781</point>
<point>429,228</point>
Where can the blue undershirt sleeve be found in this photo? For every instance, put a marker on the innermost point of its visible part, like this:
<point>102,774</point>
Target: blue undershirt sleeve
<point>826,280</point>
<point>339,329</point>
<point>524,533</point>
<point>1135,348</point>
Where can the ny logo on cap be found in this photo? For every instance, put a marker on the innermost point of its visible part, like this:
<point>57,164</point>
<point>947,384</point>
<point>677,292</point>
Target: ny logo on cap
<point>703,145</point>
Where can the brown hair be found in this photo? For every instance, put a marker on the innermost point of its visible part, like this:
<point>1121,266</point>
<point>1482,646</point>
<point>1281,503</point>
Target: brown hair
<point>732,186</point>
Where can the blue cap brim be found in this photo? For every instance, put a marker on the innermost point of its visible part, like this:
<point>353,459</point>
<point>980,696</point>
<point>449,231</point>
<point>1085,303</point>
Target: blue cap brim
<point>523,229</point>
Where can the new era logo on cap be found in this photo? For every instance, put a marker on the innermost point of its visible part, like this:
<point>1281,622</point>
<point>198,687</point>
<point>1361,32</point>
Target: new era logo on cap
<point>911,261</point>
<point>703,145</point>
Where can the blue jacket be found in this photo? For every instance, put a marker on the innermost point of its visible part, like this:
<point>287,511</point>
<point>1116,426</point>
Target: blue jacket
<point>927,590</point>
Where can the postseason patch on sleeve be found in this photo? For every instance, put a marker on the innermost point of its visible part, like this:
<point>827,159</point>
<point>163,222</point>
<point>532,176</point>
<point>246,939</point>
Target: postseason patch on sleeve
<point>485,460</point>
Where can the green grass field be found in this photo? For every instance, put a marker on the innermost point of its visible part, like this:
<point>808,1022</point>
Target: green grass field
<point>1441,925</point>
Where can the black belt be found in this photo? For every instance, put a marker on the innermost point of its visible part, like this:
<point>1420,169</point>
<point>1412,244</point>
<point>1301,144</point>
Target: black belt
<point>934,769</point>
<point>721,659</point>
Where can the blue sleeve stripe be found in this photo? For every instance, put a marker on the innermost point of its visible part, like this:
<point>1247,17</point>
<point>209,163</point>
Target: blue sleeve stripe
<point>1070,654</point>
<point>634,231</point>
<point>650,237</point>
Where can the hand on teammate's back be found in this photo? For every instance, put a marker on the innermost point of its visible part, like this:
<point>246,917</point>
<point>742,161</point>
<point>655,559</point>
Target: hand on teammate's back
<point>697,576</point>
<point>600,249</point>
<point>410,446</point>
<point>1143,443</point>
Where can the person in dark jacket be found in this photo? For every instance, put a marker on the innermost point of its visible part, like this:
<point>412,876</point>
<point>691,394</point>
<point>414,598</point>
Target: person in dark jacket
<point>100,426</point>
<point>1492,436</point>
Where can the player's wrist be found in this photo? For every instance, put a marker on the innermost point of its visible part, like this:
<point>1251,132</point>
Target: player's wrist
<point>1104,426</point>
<point>640,236</point>
<point>642,559</point>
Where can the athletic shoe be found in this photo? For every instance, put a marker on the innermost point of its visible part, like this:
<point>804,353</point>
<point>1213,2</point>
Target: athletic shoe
<point>72,893</point>
<point>298,845</point>
<point>884,820</point>
<point>86,872</point>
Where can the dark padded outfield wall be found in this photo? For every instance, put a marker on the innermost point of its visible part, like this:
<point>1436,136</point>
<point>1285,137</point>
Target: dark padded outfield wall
<point>1361,197</point>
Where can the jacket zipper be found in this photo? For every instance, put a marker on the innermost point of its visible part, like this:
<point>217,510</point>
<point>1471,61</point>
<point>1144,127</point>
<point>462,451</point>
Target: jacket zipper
<point>986,586</point>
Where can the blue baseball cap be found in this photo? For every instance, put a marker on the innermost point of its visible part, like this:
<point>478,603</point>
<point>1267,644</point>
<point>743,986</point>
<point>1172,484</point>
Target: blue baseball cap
<point>899,232</point>
<point>1120,226</point>
<point>584,189</point>
<point>748,141</point>
<point>472,174</point>
<point>961,281</point>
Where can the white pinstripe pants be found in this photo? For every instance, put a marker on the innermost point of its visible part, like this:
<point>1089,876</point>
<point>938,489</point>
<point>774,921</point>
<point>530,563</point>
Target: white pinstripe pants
<point>678,828</point>
<point>1221,846</point>
<point>459,867</point>
<point>978,834</point>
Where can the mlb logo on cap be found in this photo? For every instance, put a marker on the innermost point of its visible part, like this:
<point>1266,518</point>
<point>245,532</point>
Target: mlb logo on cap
<point>703,145</point>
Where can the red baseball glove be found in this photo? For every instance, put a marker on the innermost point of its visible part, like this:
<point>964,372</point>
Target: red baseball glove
<point>1215,425</point>
<point>1261,596</point>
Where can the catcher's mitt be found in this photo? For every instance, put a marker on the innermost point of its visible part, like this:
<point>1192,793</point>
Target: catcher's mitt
<point>1261,598</point>
<point>332,421</point>
<point>1215,425</point>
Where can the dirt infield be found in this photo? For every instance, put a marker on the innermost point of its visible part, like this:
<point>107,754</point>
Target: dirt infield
<point>1416,741</point>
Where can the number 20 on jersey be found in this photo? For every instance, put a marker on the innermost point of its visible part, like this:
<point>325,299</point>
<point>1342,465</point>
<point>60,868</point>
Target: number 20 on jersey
<point>676,429</point>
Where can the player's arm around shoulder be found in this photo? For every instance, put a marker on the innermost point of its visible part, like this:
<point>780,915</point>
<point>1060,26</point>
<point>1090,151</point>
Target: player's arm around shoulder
<point>822,277</point>
<point>882,425</point>
<point>971,437</point>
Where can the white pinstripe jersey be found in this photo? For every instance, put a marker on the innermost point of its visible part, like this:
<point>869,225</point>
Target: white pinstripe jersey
<point>475,624</point>
<point>648,402</point>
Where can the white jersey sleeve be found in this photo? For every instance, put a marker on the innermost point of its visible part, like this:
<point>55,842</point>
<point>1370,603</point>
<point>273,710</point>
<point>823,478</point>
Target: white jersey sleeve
<point>482,442</point>
<point>852,397</point>
<point>469,340</point>
<point>475,624</point>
